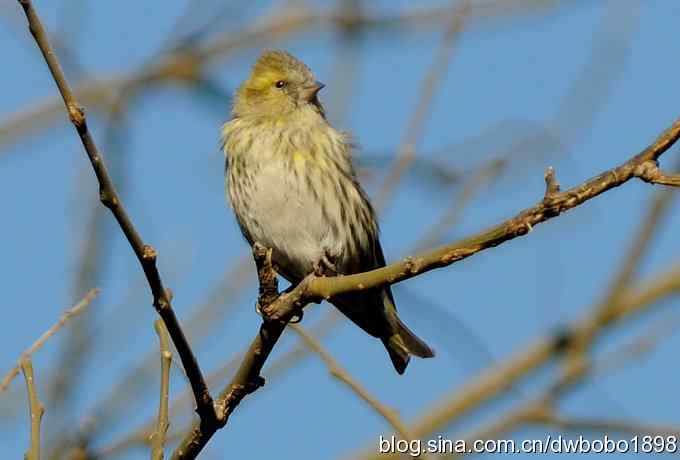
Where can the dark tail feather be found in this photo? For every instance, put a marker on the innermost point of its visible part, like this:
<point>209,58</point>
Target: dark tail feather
<point>404,343</point>
<point>398,353</point>
<point>413,343</point>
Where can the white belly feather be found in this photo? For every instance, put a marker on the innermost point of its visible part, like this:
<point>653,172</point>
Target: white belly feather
<point>288,219</point>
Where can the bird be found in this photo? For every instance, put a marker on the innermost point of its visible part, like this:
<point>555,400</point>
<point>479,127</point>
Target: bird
<point>291,183</point>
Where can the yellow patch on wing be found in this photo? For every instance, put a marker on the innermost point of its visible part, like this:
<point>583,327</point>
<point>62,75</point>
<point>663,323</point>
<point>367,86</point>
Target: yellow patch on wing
<point>299,157</point>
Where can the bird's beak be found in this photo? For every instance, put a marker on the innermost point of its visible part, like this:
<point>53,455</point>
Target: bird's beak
<point>309,92</point>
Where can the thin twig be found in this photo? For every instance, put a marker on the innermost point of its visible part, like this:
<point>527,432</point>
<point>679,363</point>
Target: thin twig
<point>35,409</point>
<point>140,436</point>
<point>314,289</point>
<point>658,208</point>
<point>207,315</point>
<point>471,186</point>
<point>430,84</point>
<point>389,414</point>
<point>543,409</point>
<point>158,438</point>
<point>661,330</point>
<point>494,381</point>
<point>91,263</point>
<point>109,197</point>
<point>285,306</point>
<point>37,345</point>
<point>643,166</point>
<point>247,378</point>
<point>580,425</point>
<point>186,64</point>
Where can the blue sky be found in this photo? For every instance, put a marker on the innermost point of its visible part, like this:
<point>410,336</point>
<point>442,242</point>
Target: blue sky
<point>600,76</point>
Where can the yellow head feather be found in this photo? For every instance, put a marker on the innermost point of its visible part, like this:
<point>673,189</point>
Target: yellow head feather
<point>278,84</point>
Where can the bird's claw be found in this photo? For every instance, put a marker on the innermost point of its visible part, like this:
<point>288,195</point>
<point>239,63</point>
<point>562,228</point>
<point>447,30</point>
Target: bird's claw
<point>325,266</point>
<point>297,317</point>
<point>268,315</point>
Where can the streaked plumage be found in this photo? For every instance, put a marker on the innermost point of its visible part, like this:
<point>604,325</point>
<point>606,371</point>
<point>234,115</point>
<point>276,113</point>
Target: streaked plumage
<point>293,188</point>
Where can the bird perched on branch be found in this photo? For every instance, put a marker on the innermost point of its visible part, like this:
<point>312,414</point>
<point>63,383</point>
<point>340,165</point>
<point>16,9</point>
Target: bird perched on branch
<point>293,188</point>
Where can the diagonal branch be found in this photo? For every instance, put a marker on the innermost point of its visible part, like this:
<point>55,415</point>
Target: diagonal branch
<point>643,166</point>
<point>247,378</point>
<point>109,198</point>
<point>282,308</point>
<point>416,127</point>
<point>389,414</point>
<point>188,64</point>
<point>597,425</point>
<point>37,345</point>
<point>486,387</point>
<point>543,409</point>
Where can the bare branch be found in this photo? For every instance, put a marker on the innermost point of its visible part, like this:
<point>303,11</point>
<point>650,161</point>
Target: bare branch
<point>650,172</point>
<point>471,187</point>
<point>186,65</point>
<point>389,414</point>
<point>247,378</point>
<point>552,187</point>
<point>158,438</point>
<point>494,381</point>
<point>285,362</point>
<point>314,289</point>
<point>206,317</point>
<point>35,409</point>
<point>415,129</point>
<point>639,347</point>
<point>659,206</point>
<point>279,309</point>
<point>109,197</point>
<point>520,225</point>
<point>580,425</point>
<point>37,345</point>
<point>543,409</point>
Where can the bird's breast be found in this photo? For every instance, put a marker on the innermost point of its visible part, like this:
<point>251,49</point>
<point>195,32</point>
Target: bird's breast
<point>289,194</point>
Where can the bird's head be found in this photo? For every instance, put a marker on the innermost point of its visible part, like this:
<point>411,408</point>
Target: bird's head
<point>279,85</point>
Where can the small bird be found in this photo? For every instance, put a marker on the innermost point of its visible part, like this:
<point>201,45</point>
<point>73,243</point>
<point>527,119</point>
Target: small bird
<point>292,186</point>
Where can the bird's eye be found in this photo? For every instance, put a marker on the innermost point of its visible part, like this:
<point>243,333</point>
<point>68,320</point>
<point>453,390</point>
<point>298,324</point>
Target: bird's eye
<point>280,84</point>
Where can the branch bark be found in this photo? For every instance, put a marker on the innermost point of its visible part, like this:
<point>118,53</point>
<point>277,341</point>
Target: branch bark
<point>543,409</point>
<point>37,345</point>
<point>416,126</point>
<point>108,195</point>
<point>247,378</point>
<point>190,63</point>
<point>493,382</point>
<point>390,415</point>
<point>35,409</point>
<point>643,166</point>
<point>280,309</point>
<point>158,437</point>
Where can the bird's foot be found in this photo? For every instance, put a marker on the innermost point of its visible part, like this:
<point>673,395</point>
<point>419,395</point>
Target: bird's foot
<point>270,313</point>
<point>297,317</point>
<point>325,266</point>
